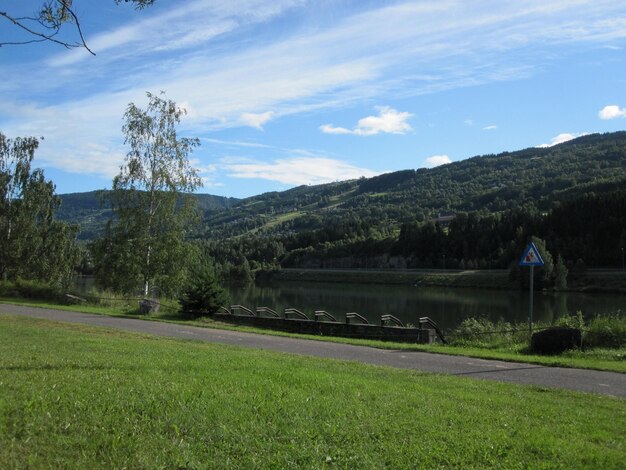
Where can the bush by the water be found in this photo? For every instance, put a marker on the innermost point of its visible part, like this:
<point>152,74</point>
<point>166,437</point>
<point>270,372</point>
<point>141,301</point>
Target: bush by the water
<point>606,332</point>
<point>482,332</point>
<point>600,332</point>
<point>202,295</point>
<point>25,289</point>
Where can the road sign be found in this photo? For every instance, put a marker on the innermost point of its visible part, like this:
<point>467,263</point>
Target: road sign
<point>531,257</point>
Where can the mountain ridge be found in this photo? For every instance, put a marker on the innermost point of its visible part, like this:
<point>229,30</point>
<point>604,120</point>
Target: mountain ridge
<point>538,177</point>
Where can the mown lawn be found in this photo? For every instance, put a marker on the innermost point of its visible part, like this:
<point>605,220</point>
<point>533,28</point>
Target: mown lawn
<point>80,397</point>
<point>613,360</point>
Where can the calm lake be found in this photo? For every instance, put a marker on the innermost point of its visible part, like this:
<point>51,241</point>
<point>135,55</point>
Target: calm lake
<point>447,307</point>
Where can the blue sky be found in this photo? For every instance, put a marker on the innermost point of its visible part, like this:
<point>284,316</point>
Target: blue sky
<point>290,92</point>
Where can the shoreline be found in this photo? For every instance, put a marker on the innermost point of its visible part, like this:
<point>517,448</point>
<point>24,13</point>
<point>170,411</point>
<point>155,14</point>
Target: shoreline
<point>594,281</point>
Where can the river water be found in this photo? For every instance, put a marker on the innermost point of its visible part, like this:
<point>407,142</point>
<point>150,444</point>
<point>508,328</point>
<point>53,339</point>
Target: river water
<point>447,307</point>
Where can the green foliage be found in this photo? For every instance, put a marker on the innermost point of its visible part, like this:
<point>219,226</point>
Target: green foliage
<point>560,274</point>
<point>543,274</point>
<point>239,272</point>
<point>146,243</point>
<point>571,196</point>
<point>27,289</point>
<point>202,293</point>
<point>602,332</point>
<point>571,321</point>
<point>33,245</point>
<point>606,332</point>
<point>482,332</point>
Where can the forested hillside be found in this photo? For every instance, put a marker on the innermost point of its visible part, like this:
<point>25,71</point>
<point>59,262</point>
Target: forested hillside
<point>570,194</point>
<point>92,209</point>
<point>537,177</point>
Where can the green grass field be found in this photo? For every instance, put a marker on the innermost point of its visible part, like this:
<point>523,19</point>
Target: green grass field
<point>79,397</point>
<point>599,359</point>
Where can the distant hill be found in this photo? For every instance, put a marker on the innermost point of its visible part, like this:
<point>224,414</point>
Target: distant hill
<point>537,177</point>
<point>91,213</point>
<point>376,207</point>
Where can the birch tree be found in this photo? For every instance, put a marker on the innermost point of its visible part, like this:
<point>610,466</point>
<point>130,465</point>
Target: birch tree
<point>149,198</point>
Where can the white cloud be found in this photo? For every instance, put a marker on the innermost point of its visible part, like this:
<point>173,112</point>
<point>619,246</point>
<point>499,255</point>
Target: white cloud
<point>612,112</point>
<point>561,138</point>
<point>437,160</point>
<point>256,120</point>
<point>329,129</point>
<point>289,67</point>
<point>299,170</point>
<point>187,25</point>
<point>492,127</point>
<point>388,121</point>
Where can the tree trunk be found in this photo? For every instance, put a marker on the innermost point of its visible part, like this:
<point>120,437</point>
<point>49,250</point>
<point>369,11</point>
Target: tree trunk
<point>146,287</point>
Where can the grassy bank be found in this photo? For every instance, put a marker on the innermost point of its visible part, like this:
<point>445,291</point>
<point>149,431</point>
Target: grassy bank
<point>76,396</point>
<point>515,351</point>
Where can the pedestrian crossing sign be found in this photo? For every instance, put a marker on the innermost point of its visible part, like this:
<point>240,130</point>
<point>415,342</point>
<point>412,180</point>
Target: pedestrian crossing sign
<point>531,257</point>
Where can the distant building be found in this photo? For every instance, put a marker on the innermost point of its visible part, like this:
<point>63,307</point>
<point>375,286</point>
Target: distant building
<point>444,219</point>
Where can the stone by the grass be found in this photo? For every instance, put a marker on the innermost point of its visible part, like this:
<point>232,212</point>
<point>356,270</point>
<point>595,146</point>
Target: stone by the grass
<point>148,306</point>
<point>555,340</point>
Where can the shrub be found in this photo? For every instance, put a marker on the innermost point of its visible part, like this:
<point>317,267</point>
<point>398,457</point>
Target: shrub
<point>571,321</point>
<point>31,290</point>
<point>607,332</point>
<point>202,295</point>
<point>485,333</point>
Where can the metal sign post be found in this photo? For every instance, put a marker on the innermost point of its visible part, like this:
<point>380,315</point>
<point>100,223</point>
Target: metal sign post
<point>531,258</point>
<point>530,308</point>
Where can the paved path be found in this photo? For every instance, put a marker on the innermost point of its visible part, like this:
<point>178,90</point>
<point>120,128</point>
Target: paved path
<point>605,383</point>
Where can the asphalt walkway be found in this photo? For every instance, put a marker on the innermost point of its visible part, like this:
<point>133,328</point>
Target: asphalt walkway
<point>605,383</point>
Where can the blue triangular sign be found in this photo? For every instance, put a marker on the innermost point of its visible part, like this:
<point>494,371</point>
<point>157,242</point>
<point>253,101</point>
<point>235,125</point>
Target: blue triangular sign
<point>531,257</point>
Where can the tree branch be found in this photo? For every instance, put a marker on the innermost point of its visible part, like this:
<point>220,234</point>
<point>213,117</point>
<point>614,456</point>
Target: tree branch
<point>80,31</point>
<point>53,14</point>
<point>42,37</point>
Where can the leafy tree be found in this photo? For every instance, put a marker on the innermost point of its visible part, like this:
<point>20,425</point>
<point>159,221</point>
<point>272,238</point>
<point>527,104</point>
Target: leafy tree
<point>147,242</point>
<point>560,274</point>
<point>46,24</point>
<point>34,245</point>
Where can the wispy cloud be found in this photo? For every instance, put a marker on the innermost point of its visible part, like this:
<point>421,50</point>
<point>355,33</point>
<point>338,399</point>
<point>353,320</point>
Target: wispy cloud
<point>256,120</point>
<point>562,138</point>
<point>492,127</point>
<point>612,112</point>
<point>298,171</point>
<point>235,143</point>
<point>188,25</point>
<point>236,60</point>
<point>437,160</point>
<point>388,121</point>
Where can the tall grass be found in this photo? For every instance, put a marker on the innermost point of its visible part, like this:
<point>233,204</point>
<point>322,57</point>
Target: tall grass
<point>607,332</point>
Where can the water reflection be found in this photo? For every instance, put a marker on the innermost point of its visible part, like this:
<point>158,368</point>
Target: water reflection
<point>447,307</point>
